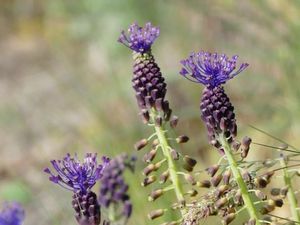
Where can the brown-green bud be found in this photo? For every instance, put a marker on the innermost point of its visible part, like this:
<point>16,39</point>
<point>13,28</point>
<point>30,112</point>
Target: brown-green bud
<point>140,144</point>
<point>284,191</point>
<point>156,213</point>
<point>148,180</point>
<point>246,141</point>
<point>149,169</point>
<point>182,139</point>
<point>174,154</point>
<point>155,194</point>
<point>189,178</point>
<point>238,199</point>
<point>235,145</point>
<point>174,121</point>
<point>269,207</point>
<point>228,218</point>
<point>204,184</point>
<point>190,161</point>
<point>246,176</point>
<point>226,177</point>
<point>275,191</point>
<point>221,190</point>
<point>164,177</point>
<point>148,157</point>
<point>259,194</point>
<point>215,181</point>
<point>221,202</point>
<point>212,170</point>
<point>192,192</point>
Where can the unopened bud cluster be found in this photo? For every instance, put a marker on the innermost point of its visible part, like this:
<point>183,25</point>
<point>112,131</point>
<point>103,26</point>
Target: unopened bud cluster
<point>113,191</point>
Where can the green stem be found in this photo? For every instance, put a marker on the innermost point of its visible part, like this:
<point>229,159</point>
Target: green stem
<point>291,194</point>
<point>165,146</point>
<point>253,213</point>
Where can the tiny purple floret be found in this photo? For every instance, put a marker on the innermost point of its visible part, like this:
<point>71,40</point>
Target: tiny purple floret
<point>11,214</point>
<point>75,175</point>
<point>210,69</point>
<point>139,39</point>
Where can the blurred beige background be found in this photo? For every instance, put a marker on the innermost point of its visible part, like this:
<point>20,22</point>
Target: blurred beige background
<point>65,84</point>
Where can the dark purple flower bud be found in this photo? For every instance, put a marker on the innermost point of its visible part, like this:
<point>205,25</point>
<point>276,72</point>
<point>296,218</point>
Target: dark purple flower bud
<point>75,175</point>
<point>139,39</point>
<point>217,113</point>
<point>11,214</point>
<point>210,69</point>
<point>87,208</point>
<point>113,188</point>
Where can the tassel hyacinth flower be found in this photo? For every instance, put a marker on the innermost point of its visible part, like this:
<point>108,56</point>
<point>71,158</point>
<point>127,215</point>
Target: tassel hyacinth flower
<point>213,70</point>
<point>147,81</point>
<point>79,177</point>
<point>11,214</point>
<point>150,90</point>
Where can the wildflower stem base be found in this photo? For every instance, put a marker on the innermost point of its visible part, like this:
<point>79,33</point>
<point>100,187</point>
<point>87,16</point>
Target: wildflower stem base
<point>253,213</point>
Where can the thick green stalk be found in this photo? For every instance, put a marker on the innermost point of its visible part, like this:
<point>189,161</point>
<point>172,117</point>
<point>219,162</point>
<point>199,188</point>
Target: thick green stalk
<point>291,194</point>
<point>253,213</point>
<point>165,146</point>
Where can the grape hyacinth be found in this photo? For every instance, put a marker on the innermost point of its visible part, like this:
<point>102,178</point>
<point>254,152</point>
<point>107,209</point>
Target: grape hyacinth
<point>11,214</point>
<point>147,81</point>
<point>113,192</point>
<point>212,70</point>
<point>80,177</point>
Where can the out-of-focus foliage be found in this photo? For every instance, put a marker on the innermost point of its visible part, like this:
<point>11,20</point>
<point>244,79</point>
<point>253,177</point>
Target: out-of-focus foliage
<point>65,83</point>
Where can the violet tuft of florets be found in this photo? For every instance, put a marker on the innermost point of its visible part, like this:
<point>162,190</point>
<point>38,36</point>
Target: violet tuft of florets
<point>11,214</point>
<point>217,112</point>
<point>75,175</point>
<point>139,39</point>
<point>210,69</point>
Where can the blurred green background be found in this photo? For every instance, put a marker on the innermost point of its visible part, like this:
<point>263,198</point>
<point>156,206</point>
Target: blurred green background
<point>65,84</point>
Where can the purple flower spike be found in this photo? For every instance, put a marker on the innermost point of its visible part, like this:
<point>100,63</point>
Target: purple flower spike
<point>210,69</point>
<point>76,176</point>
<point>114,189</point>
<point>139,39</point>
<point>11,214</point>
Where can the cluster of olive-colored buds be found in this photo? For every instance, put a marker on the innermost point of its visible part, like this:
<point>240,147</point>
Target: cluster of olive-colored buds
<point>224,197</point>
